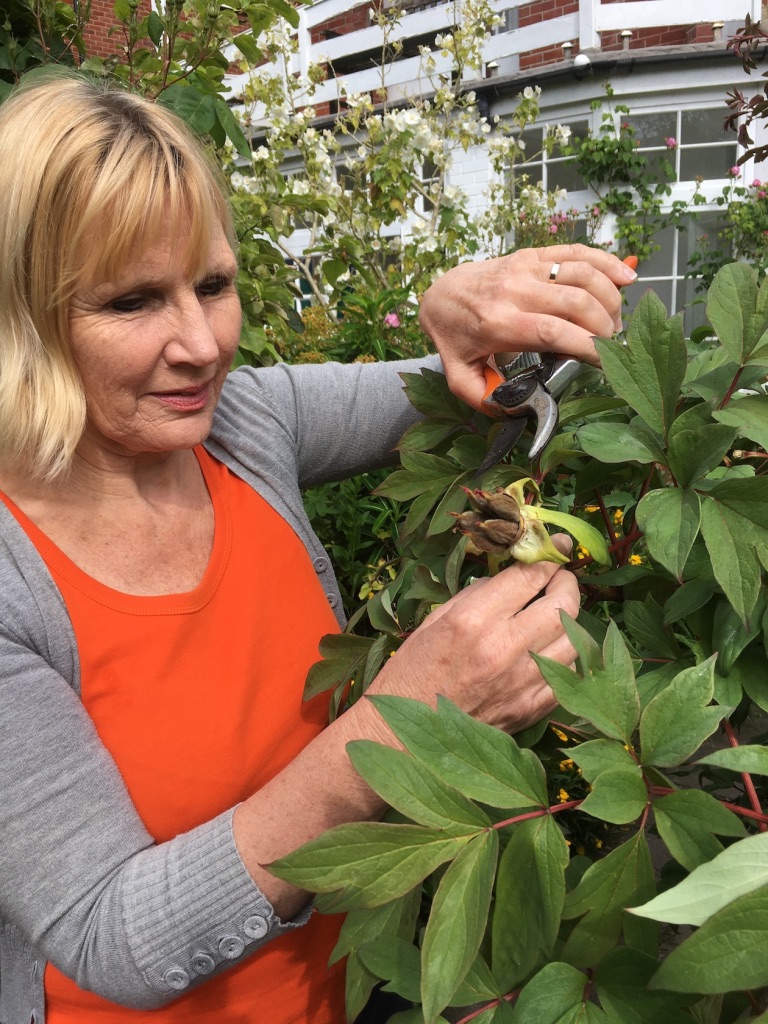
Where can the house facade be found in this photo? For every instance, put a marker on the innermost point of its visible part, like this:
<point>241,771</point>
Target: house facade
<point>665,60</point>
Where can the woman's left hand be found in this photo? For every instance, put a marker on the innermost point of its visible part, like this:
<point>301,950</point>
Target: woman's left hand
<point>514,304</point>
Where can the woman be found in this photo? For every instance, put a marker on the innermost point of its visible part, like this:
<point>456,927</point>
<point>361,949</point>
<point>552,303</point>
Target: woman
<point>164,594</point>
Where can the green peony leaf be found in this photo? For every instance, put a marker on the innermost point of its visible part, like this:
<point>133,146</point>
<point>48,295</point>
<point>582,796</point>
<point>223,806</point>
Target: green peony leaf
<point>556,995</point>
<point>369,863</point>
<point>396,962</point>
<point>608,887</point>
<point>607,698</point>
<point>457,922</point>
<point>688,822</point>
<point>622,985</point>
<point>748,758</point>
<point>481,762</point>
<point>596,756</point>
<point>749,415</point>
<point>411,788</point>
<point>739,869</point>
<point>530,891</point>
<point>728,953</point>
<point>618,795</point>
<point>648,373</point>
<point>670,520</point>
<point>621,442</point>
<point>676,721</point>
<point>732,311</point>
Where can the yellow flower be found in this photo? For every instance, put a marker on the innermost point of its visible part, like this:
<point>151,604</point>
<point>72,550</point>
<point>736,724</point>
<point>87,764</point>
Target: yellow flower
<point>562,796</point>
<point>580,850</point>
<point>598,844</point>
<point>566,765</point>
<point>582,552</point>
<point>635,560</point>
<point>560,734</point>
<point>618,516</point>
<point>591,508</point>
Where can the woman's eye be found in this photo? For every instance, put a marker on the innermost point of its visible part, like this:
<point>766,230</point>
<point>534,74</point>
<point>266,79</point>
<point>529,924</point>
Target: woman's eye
<point>213,286</point>
<point>127,304</point>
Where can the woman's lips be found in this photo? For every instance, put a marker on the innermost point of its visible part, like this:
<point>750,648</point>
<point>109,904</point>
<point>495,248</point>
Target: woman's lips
<point>186,399</point>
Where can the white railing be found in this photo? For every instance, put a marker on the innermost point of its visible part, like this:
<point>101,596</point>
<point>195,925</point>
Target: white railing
<point>583,28</point>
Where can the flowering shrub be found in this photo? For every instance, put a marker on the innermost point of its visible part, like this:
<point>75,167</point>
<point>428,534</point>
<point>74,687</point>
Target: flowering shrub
<point>744,234</point>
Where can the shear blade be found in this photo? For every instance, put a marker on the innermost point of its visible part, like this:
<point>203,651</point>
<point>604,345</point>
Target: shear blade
<point>504,442</point>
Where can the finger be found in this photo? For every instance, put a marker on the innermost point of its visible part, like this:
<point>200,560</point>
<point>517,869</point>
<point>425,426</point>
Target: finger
<point>540,623</point>
<point>548,331</point>
<point>560,650</point>
<point>606,262</point>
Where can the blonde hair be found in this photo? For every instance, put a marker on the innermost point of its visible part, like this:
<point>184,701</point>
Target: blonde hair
<point>80,165</point>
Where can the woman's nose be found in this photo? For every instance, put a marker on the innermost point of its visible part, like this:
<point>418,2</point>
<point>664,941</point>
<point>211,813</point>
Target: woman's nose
<point>193,339</point>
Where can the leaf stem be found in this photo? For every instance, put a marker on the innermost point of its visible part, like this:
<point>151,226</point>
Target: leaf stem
<point>567,806</point>
<point>732,388</point>
<point>489,1006</point>
<point>606,518</point>
<point>744,812</point>
<point>749,785</point>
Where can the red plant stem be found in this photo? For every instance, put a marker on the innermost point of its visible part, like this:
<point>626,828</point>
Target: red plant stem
<point>732,388</point>
<point>752,455</point>
<point>567,806</point>
<point>489,1006</point>
<point>743,811</point>
<point>749,785</point>
<point>567,728</point>
<point>606,517</point>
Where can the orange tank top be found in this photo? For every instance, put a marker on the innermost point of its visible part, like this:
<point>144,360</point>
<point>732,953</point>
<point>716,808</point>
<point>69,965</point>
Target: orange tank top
<point>198,697</point>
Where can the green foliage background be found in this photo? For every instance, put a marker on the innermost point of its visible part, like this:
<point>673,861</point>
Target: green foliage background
<point>524,878</point>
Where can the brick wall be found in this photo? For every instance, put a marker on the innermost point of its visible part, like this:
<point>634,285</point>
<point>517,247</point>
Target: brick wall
<point>543,10</point>
<point>349,21</point>
<point>98,42</point>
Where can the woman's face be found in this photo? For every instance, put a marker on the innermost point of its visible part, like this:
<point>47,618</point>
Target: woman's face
<point>153,348</point>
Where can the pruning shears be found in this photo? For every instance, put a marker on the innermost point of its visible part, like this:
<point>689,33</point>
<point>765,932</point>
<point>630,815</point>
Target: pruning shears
<point>523,388</point>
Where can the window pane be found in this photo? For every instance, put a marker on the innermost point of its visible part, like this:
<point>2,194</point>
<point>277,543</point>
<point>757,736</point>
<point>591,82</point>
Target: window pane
<point>702,126</point>
<point>653,129</point>
<point>534,139</point>
<point>707,162</point>
<point>564,174</point>
<point>701,234</point>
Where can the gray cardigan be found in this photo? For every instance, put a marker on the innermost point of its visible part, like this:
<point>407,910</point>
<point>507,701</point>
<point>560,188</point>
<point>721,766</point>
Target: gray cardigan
<point>82,883</point>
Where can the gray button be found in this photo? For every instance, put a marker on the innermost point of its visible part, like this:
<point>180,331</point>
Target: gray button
<point>255,927</point>
<point>320,564</point>
<point>202,963</point>
<point>176,978</point>
<point>231,946</point>
<point>332,600</point>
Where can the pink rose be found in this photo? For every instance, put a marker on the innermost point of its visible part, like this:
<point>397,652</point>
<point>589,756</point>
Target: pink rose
<point>392,320</point>
<point>756,183</point>
<point>670,143</point>
<point>734,171</point>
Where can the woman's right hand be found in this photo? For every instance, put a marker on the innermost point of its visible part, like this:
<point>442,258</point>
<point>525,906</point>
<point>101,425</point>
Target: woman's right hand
<point>475,649</point>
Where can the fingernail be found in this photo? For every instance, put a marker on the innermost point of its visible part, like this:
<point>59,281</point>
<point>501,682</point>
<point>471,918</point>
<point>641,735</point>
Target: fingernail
<point>628,273</point>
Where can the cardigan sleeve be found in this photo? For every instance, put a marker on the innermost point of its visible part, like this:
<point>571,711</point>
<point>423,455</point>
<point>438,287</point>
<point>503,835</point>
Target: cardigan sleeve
<point>328,420</point>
